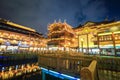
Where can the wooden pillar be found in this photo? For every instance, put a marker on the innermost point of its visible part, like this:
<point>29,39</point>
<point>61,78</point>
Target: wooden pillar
<point>114,45</point>
<point>87,43</point>
<point>82,46</point>
<point>64,42</point>
<point>98,43</point>
<point>78,43</point>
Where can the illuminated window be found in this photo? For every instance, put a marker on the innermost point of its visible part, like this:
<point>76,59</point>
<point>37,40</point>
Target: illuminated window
<point>105,38</point>
<point>116,36</point>
<point>110,38</point>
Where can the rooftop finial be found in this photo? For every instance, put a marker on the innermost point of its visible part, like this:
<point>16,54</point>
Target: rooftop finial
<point>54,21</point>
<point>106,19</point>
<point>48,24</point>
<point>64,20</point>
<point>60,20</point>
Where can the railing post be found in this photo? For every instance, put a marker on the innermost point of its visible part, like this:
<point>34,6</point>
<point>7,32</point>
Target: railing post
<point>89,73</point>
<point>67,63</point>
<point>58,62</point>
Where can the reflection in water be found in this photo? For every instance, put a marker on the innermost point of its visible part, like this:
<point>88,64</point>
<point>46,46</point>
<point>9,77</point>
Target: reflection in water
<point>22,71</point>
<point>29,76</point>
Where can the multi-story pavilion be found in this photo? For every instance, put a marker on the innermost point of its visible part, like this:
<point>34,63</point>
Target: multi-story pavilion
<point>15,37</point>
<point>61,35</point>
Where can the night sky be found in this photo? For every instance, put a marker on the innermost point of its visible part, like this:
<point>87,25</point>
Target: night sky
<point>38,14</point>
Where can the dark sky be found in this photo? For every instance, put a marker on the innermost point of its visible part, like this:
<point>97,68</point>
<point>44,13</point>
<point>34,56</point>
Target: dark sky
<point>38,14</point>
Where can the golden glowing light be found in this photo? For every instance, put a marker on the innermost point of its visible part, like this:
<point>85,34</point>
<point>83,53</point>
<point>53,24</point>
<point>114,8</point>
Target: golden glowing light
<point>19,26</point>
<point>82,39</point>
<point>113,29</point>
<point>69,43</point>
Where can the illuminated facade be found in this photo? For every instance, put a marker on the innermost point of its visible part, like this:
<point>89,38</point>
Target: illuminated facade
<point>61,35</point>
<point>99,38</point>
<point>92,38</point>
<point>14,37</point>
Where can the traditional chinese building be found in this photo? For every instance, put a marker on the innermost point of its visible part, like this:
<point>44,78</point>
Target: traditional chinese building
<point>61,35</point>
<point>99,37</point>
<point>14,37</point>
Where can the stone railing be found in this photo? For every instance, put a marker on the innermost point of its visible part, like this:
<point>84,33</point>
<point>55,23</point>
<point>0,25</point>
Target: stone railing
<point>107,68</point>
<point>67,64</point>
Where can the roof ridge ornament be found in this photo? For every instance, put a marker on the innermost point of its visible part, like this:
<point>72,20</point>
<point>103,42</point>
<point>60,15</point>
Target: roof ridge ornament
<point>65,20</point>
<point>59,21</point>
<point>106,19</point>
<point>55,21</point>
